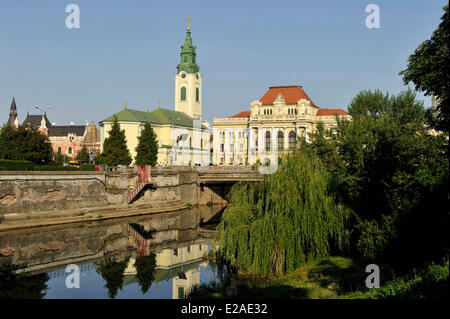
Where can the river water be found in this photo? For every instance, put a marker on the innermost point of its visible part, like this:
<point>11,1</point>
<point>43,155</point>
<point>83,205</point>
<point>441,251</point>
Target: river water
<point>153,256</point>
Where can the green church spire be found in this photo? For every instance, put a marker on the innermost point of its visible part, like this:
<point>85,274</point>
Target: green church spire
<point>188,55</point>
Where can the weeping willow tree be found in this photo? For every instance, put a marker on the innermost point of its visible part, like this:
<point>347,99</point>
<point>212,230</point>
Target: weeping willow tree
<point>290,217</point>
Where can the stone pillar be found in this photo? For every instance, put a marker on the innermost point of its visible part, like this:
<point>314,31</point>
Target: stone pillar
<point>286,138</point>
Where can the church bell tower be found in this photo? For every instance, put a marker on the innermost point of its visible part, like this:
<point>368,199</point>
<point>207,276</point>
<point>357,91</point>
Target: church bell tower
<point>188,80</point>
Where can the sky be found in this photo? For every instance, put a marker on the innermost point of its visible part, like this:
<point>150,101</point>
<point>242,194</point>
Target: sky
<point>129,50</point>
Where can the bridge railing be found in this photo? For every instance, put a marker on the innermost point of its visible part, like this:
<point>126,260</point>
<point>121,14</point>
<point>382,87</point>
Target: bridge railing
<point>214,169</point>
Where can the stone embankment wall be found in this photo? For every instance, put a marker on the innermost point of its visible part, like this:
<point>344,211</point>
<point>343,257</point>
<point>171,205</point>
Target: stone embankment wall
<point>28,192</point>
<point>25,192</point>
<point>55,246</point>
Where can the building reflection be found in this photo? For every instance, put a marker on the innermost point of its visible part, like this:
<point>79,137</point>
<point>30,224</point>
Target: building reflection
<point>144,250</point>
<point>178,261</point>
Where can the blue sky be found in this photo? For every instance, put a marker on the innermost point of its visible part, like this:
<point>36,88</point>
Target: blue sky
<point>129,50</point>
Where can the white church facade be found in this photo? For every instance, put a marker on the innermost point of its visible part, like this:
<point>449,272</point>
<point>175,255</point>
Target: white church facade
<point>183,138</point>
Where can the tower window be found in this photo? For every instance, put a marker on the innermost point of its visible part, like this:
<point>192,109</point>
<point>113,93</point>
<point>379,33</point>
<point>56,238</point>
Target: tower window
<point>183,94</point>
<point>197,95</point>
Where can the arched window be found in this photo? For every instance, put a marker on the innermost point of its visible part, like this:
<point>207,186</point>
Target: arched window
<point>183,94</point>
<point>280,140</point>
<point>289,111</point>
<point>69,150</point>
<point>292,139</point>
<point>197,95</point>
<point>59,150</point>
<point>270,111</point>
<point>267,141</point>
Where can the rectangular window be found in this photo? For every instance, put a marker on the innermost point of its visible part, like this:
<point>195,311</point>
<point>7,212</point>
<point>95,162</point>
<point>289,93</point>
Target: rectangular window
<point>222,147</point>
<point>180,293</point>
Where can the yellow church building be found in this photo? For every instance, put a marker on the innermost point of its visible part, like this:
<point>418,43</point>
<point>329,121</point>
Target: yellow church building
<point>272,126</point>
<point>183,139</point>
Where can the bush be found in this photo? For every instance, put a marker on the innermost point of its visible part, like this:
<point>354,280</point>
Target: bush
<point>11,165</point>
<point>431,282</point>
<point>87,167</point>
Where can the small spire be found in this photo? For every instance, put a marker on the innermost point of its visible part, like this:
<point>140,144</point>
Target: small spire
<point>188,26</point>
<point>159,105</point>
<point>12,112</point>
<point>125,105</point>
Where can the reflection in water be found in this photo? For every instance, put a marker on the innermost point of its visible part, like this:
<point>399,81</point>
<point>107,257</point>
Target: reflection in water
<point>145,271</point>
<point>112,272</point>
<point>18,286</point>
<point>157,256</point>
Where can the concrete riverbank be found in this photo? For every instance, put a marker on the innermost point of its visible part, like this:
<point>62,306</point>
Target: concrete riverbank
<point>37,198</point>
<point>93,214</point>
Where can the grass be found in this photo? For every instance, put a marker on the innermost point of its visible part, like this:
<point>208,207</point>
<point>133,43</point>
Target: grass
<point>333,277</point>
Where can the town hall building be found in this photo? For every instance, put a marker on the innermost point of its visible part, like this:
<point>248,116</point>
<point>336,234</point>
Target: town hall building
<point>273,125</point>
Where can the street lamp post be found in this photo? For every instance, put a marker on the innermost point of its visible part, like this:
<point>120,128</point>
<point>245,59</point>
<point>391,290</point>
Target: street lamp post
<point>43,110</point>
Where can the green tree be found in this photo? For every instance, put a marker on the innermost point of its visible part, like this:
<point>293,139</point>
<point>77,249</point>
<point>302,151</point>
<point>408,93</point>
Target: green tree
<point>145,271</point>
<point>58,158</point>
<point>147,148</point>
<point>83,154</point>
<point>394,176</point>
<point>428,68</point>
<point>275,225</point>
<point>112,272</point>
<point>24,143</point>
<point>115,151</point>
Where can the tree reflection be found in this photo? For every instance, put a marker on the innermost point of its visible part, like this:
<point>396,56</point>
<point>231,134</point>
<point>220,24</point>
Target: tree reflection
<point>21,286</point>
<point>145,268</point>
<point>112,272</point>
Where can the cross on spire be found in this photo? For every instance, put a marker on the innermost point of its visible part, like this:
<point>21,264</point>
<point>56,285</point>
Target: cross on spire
<point>125,104</point>
<point>159,104</point>
<point>188,27</point>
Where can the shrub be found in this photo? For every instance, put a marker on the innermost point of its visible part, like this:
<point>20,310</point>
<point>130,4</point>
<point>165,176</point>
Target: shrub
<point>87,167</point>
<point>431,282</point>
<point>12,165</point>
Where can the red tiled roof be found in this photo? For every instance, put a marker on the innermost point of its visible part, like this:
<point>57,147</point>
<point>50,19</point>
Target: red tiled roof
<point>328,112</point>
<point>242,114</point>
<point>291,94</point>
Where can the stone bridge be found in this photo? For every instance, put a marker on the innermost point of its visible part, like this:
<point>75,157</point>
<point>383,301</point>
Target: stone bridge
<point>227,174</point>
<point>29,192</point>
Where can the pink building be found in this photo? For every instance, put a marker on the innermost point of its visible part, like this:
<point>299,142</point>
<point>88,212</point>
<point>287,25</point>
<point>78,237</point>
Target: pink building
<point>67,139</point>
